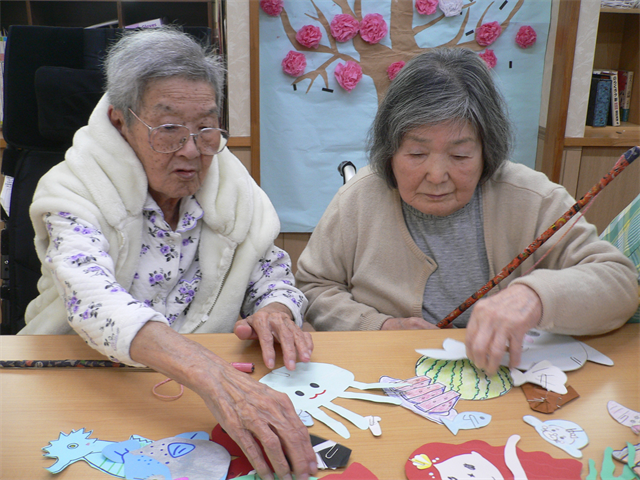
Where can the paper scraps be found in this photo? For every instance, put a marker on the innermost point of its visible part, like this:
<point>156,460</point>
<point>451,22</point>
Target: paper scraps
<point>564,434</point>
<point>544,374</point>
<point>608,468</point>
<point>544,401</point>
<point>625,416</point>
<point>423,397</point>
<point>562,351</point>
<point>329,454</point>
<point>464,377</point>
<point>313,385</point>
<point>443,460</point>
<point>633,460</point>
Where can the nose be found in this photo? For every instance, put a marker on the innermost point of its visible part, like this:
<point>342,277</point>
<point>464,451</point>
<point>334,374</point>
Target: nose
<point>437,170</point>
<point>189,149</point>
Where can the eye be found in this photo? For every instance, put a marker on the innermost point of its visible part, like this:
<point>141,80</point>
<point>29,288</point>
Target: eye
<point>314,385</point>
<point>469,466</point>
<point>72,445</point>
<point>299,393</point>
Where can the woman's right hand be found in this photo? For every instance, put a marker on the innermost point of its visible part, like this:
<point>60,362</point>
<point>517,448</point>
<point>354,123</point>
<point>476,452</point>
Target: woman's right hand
<point>409,323</point>
<point>250,412</point>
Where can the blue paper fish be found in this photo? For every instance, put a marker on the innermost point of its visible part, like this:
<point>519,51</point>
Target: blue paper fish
<point>467,421</point>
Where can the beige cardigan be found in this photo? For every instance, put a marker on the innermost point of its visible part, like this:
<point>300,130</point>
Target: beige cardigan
<point>362,267</point>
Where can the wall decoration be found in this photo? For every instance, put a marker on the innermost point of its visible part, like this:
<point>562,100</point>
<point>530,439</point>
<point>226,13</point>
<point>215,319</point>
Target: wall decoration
<point>313,121</point>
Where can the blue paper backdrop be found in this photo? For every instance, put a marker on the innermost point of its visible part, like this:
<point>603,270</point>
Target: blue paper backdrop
<point>305,135</point>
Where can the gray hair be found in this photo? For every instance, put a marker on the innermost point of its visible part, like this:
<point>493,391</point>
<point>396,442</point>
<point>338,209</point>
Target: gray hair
<point>441,86</point>
<point>141,56</point>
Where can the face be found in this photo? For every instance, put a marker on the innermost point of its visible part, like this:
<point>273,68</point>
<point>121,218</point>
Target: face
<point>438,167</point>
<point>180,101</point>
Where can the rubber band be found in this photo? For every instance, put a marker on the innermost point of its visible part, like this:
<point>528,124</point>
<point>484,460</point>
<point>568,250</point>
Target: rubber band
<point>167,397</point>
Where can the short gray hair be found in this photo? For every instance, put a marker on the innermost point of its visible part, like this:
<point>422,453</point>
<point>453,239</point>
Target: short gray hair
<point>141,56</point>
<point>441,86</point>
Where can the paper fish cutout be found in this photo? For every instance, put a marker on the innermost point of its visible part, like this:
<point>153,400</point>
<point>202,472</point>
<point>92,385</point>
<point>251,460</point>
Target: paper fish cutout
<point>423,397</point>
<point>625,416</point>
<point>467,421</point>
<point>544,401</point>
<point>608,468</point>
<point>464,377</point>
<point>544,374</point>
<point>329,454</point>
<point>313,385</point>
<point>632,461</point>
<point>562,351</point>
<point>478,460</point>
<point>77,445</point>
<point>564,434</point>
<point>135,466</point>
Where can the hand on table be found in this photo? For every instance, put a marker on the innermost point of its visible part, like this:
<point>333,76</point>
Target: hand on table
<point>409,323</point>
<point>275,322</point>
<point>498,324</point>
<point>249,411</point>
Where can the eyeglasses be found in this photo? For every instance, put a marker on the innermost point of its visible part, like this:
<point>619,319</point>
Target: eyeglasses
<point>170,138</point>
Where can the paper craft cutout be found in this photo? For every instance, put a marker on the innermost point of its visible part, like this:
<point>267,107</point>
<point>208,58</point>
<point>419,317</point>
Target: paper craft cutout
<point>355,471</point>
<point>632,460</point>
<point>464,377</point>
<point>330,454</point>
<point>562,351</point>
<point>467,421</point>
<point>374,425</point>
<point>305,418</point>
<point>314,385</point>
<point>543,401</point>
<point>239,466</point>
<point>423,397</point>
<point>477,459</point>
<point>135,466</point>
<point>77,445</point>
<point>625,416</point>
<point>564,434</point>
<point>608,468</point>
<point>544,374</point>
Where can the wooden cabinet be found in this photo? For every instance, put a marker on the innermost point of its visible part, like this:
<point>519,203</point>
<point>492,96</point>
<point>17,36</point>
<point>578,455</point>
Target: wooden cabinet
<point>578,162</point>
<point>84,13</point>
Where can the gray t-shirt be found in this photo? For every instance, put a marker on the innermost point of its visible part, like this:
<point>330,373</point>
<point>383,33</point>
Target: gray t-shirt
<point>456,244</point>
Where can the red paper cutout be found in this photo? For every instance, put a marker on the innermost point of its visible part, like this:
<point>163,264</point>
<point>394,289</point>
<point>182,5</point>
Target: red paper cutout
<point>355,471</point>
<point>239,466</point>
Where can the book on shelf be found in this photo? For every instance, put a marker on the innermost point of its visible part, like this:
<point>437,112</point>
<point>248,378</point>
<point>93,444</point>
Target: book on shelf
<point>612,75</point>
<point>157,22</point>
<point>625,85</point>
<point>599,102</point>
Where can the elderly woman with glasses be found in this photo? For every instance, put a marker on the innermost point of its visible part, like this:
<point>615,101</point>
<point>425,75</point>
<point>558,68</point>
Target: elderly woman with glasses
<point>151,228</point>
<point>441,210</point>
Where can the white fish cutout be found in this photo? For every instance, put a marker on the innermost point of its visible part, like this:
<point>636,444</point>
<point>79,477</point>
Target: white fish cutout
<point>625,416</point>
<point>564,434</point>
<point>544,374</point>
<point>562,351</point>
<point>467,421</point>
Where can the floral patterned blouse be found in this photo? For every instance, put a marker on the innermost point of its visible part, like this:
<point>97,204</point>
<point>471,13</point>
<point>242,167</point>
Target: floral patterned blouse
<point>166,279</point>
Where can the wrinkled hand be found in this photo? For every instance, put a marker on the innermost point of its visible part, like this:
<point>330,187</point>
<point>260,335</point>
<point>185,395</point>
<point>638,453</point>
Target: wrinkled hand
<point>409,323</point>
<point>275,322</point>
<point>499,323</point>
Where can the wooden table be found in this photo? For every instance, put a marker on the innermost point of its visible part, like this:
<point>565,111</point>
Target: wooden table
<point>39,404</point>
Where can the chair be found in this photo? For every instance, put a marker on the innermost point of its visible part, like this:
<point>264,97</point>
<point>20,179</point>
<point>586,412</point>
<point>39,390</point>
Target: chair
<point>53,79</point>
<point>624,233</point>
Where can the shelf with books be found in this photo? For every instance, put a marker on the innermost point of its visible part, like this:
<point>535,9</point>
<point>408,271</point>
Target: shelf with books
<point>625,135</point>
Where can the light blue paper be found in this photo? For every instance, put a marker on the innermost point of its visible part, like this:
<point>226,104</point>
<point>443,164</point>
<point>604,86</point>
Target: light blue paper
<point>305,136</point>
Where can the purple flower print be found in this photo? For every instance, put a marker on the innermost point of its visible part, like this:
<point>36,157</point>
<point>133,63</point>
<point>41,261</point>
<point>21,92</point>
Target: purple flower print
<point>280,255</point>
<point>73,304</point>
<point>81,259</point>
<point>165,249</point>
<point>144,249</point>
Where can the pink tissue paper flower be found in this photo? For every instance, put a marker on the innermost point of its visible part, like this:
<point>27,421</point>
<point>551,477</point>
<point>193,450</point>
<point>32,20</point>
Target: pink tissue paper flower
<point>344,27</point>
<point>348,74</point>
<point>394,69</point>
<point>426,7</point>
<point>294,63</point>
<point>309,36</point>
<point>489,58</point>
<point>450,8</point>
<point>271,7</point>
<point>526,36</point>
<point>373,28</point>
<point>487,33</point>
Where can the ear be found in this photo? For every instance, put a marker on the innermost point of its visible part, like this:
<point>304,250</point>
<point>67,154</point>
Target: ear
<point>117,118</point>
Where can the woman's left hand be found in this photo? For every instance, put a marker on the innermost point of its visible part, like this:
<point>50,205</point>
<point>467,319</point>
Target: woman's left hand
<point>499,323</point>
<point>275,322</point>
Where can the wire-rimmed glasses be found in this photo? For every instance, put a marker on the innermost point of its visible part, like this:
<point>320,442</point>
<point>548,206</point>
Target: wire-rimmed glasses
<point>171,137</point>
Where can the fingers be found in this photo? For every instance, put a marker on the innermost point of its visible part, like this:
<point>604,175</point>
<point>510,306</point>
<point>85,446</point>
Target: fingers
<point>244,331</point>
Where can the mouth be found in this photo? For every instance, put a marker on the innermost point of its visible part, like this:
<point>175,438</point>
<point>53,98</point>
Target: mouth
<point>317,394</point>
<point>436,197</point>
<point>185,174</point>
